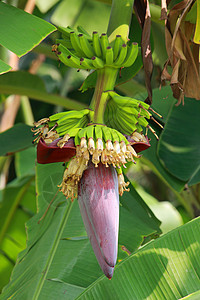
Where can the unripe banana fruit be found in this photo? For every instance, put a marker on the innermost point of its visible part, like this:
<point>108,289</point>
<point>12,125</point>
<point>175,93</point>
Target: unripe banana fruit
<point>65,124</point>
<point>128,115</point>
<point>78,50</point>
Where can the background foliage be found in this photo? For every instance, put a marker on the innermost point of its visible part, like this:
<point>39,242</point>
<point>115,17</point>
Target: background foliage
<point>54,255</point>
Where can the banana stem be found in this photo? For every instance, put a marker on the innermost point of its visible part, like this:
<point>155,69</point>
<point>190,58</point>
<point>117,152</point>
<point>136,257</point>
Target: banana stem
<point>121,13</point>
<point>106,78</point>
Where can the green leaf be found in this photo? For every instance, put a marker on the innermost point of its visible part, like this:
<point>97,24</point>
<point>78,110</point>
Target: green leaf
<point>136,221</point>
<point>58,249</point>
<point>25,162</point>
<point>193,296</point>
<point>45,5</point>
<point>168,215</point>
<point>192,14</point>
<point>21,31</point>
<point>24,83</point>
<point>4,67</point>
<point>179,145</point>
<point>127,73</point>
<point>195,178</point>
<point>16,207</point>
<point>167,268</point>
<point>197,29</point>
<point>151,159</point>
<point>15,139</point>
<point>77,12</point>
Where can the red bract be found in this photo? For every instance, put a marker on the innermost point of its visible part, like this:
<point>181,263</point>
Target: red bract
<point>138,146</point>
<point>98,199</point>
<point>52,153</point>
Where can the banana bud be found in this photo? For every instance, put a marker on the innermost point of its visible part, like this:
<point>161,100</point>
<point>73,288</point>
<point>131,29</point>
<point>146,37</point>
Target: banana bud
<point>99,207</point>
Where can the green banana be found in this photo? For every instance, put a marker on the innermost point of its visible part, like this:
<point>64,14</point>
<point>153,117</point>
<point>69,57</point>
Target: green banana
<point>86,63</point>
<point>82,30</point>
<point>117,46</point>
<point>114,119</point>
<point>97,62</point>
<point>104,44</point>
<point>125,127</point>
<point>109,56</point>
<point>66,43</point>
<point>121,57</point>
<point>98,132</point>
<point>85,45</point>
<point>72,114</point>
<point>115,136</point>
<point>122,124</point>
<point>76,140</point>
<point>127,101</point>
<point>121,137</point>
<point>65,30</point>
<point>130,118</point>
<point>131,55</point>
<point>74,62</point>
<point>142,121</point>
<point>61,130</point>
<point>67,57</point>
<point>130,110</point>
<point>106,133</point>
<point>57,116</point>
<point>76,44</point>
<point>110,115</point>
<point>90,131</point>
<point>138,128</point>
<point>72,132</point>
<point>96,44</point>
<point>82,132</point>
<point>73,123</point>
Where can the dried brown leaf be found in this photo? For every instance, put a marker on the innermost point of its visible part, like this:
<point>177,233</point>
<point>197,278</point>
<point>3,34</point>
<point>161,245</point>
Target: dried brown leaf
<point>142,11</point>
<point>183,54</point>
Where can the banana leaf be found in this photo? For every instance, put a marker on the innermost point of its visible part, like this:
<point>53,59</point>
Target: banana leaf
<point>167,268</point>
<point>59,257</point>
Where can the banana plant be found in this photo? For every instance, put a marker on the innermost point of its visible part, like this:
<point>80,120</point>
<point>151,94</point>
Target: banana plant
<point>96,143</point>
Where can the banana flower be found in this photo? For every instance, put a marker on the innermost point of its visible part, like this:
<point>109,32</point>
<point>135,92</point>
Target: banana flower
<point>98,195</point>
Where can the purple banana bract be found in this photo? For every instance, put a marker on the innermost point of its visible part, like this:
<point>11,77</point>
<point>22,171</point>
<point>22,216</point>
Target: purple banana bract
<point>98,199</point>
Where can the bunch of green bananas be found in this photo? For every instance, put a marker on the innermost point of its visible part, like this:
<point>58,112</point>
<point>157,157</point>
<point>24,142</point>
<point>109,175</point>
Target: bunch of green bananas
<point>127,115</point>
<point>79,50</point>
<point>65,124</point>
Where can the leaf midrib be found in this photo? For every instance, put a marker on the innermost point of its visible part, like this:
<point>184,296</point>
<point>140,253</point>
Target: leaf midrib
<point>53,251</point>
<point>43,96</point>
